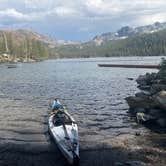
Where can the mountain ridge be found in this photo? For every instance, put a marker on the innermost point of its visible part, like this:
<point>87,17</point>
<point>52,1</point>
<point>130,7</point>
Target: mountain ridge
<point>128,31</point>
<point>27,45</point>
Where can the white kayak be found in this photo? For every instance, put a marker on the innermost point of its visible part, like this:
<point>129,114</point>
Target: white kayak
<point>64,131</point>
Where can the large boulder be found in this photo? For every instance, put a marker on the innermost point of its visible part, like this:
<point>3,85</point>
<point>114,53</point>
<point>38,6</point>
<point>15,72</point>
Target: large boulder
<point>161,122</point>
<point>134,111</point>
<point>130,163</point>
<point>155,88</point>
<point>145,102</point>
<point>143,94</point>
<point>144,87</point>
<point>160,99</point>
<point>141,80</point>
<point>155,112</point>
<point>146,79</point>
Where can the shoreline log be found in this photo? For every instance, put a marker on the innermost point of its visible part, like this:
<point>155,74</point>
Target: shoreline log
<point>130,66</point>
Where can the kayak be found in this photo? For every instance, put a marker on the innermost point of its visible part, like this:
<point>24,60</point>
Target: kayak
<point>11,66</point>
<point>64,131</point>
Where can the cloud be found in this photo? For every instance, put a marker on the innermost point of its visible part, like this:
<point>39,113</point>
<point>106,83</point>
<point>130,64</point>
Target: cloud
<point>39,4</point>
<point>13,13</point>
<point>12,16</point>
<point>87,17</point>
<point>84,8</point>
<point>63,11</point>
<point>151,18</point>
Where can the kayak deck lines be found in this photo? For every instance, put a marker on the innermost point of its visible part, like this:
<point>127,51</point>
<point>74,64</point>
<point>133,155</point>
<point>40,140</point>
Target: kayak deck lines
<point>64,132</point>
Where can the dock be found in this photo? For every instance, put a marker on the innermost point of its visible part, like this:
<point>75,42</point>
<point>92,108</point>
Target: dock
<point>130,66</point>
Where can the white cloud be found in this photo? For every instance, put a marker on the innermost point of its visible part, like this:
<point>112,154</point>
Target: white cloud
<point>103,8</point>
<point>90,16</point>
<point>13,13</point>
<point>151,18</point>
<point>63,11</point>
<point>39,4</point>
<point>86,8</point>
<point>14,16</point>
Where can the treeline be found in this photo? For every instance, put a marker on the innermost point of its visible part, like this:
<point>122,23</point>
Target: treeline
<point>153,44</point>
<point>22,47</point>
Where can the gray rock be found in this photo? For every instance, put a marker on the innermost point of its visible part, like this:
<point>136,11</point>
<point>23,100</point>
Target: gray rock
<point>140,102</point>
<point>161,122</point>
<point>144,87</point>
<point>143,110</point>
<point>136,110</point>
<point>142,94</point>
<point>156,112</point>
<point>118,164</point>
<point>134,163</point>
<point>141,80</point>
<point>130,163</point>
<point>160,99</point>
<point>146,79</point>
<point>155,88</point>
<point>156,81</point>
<point>130,78</point>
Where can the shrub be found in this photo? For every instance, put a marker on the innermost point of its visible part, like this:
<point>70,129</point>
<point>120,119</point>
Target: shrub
<point>162,71</point>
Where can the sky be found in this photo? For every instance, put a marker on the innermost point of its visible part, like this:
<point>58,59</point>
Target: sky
<point>79,20</point>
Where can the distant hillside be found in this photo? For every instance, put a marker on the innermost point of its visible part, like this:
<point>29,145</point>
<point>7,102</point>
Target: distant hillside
<point>25,45</point>
<point>140,41</point>
<point>147,44</point>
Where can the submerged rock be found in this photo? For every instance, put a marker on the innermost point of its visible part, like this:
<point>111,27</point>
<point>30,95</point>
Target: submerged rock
<point>129,78</point>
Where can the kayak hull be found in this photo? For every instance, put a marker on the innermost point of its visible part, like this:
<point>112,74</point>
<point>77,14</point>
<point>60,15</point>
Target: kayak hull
<point>66,138</point>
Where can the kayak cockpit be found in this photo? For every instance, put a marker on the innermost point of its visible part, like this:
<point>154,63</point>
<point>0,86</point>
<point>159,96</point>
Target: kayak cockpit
<point>60,118</point>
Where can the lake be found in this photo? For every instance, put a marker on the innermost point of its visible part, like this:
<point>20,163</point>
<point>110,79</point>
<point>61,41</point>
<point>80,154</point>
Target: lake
<point>94,96</point>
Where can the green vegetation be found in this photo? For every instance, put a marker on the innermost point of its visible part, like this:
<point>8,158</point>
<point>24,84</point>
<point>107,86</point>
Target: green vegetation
<point>22,46</point>
<point>162,71</point>
<point>153,44</point>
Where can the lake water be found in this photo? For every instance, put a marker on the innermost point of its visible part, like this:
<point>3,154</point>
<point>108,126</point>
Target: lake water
<point>94,96</point>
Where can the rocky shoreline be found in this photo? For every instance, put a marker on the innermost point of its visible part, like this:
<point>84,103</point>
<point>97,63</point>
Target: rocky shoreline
<point>149,105</point>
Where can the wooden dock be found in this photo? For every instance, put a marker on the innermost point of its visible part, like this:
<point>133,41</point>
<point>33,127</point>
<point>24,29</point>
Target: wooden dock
<point>130,66</point>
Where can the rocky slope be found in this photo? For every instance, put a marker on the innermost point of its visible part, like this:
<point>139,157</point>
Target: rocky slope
<point>126,32</point>
<point>149,105</point>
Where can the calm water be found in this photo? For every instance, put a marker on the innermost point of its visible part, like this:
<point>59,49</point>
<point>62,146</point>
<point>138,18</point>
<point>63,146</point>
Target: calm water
<point>94,96</point>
